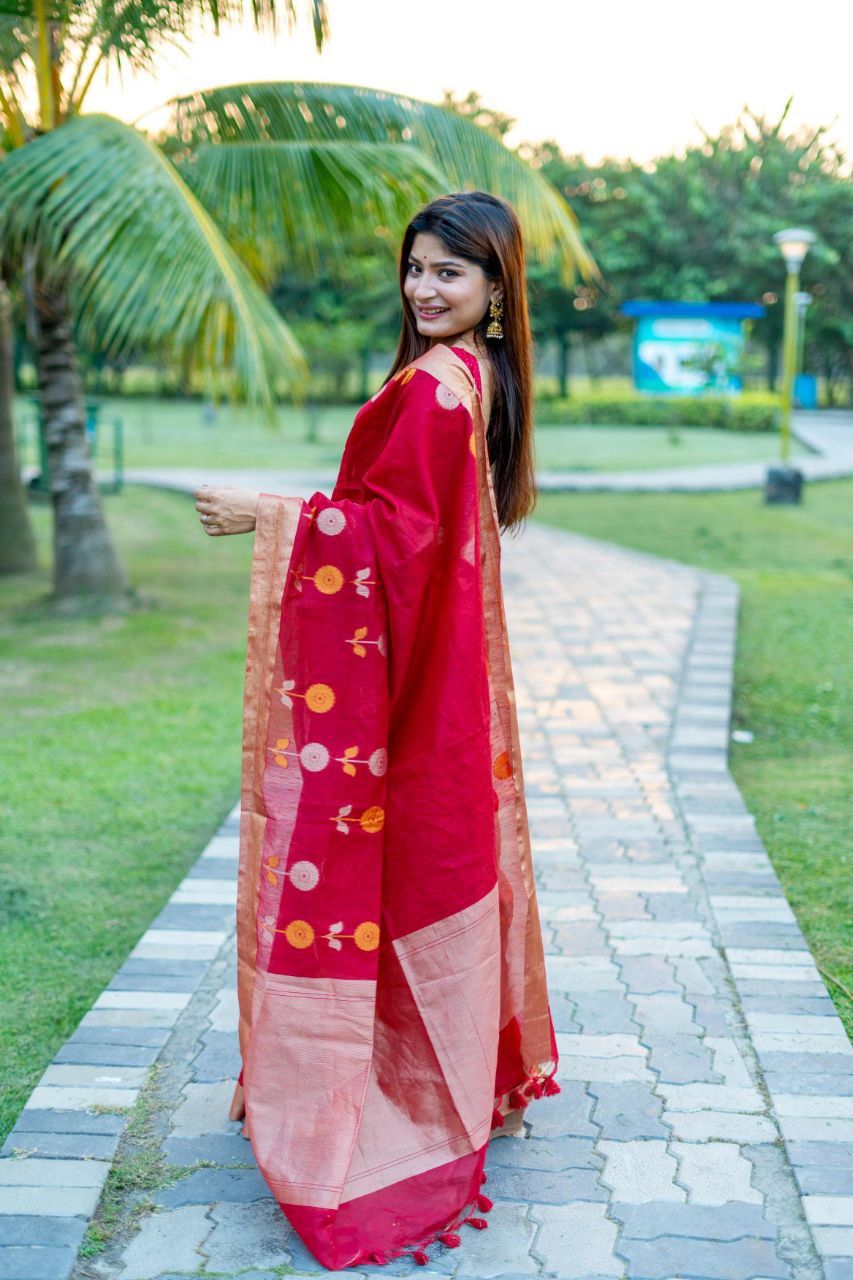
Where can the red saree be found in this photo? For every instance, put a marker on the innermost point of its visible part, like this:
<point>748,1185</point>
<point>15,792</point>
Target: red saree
<point>393,1004</point>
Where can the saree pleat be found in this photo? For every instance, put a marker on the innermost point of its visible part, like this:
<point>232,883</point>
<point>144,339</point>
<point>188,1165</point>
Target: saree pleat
<point>391,979</point>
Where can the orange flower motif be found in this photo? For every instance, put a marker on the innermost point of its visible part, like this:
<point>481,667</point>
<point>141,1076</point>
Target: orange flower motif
<point>319,697</point>
<point>329,579</point>
<point>472,442</point>
<point>373,818</point>
<point>404,376</point>
<point>299,934</point>
<point>366,936</point>
<point>501,766</point>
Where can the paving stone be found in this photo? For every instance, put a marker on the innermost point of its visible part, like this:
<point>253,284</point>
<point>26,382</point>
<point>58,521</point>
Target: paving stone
<point>207,1185</point>
<point>23,1262</point>
<point>829,1210</point>
<point>63,1202</point>
<point>837,1269</point>
<point>835,1241</point>
<point>576,1240</point>
<point>714,1173</point>
<point>668,1013</point>
<point>35,1172</point>
<point>604,1012</point>
<point>627,1110</point>
<point>647,974</point>
<point>41,1229</point>
<point>680,1059</point>
<point>652,1219</point>
<point>204,1110</point>
<point>77,1146</point>
<point>150,982</point>
<point>220,1148</point>
<point>166,1242</point>
<point>703,1126</point>
<point>219,1058</point>
<point>39,1120</point>
<point>557,1187</point>
<point>818,1180</point>
<point>669,1256</point>
<point>246,1235</point>
<point>710,1097</point>
<point>562,1014</point>
<point>565,1115</point>
<point>107,1055</point>
<point>640,1170</point>
<point>544,1153</point>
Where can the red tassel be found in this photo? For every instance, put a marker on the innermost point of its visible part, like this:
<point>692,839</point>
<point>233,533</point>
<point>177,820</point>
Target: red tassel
<point>451,1239</point>
<point>535,1089</point>
<point>420,1257</point>
<point>379,1258</point>
<point>479,1223</point>
<point>484,1203</point>
<point>497,1119</point>
<point>517,1099</point>
<point>551,1087</point>
<point>483,1176</point>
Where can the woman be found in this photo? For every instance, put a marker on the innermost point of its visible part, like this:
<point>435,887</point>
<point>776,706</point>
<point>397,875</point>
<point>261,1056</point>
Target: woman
<point>393,1007</point>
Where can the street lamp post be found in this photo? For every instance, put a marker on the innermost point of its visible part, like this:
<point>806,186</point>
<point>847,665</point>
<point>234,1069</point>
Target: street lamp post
<point>784,483</point>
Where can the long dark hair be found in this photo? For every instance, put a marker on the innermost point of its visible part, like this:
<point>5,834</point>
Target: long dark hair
<point>485,229</point>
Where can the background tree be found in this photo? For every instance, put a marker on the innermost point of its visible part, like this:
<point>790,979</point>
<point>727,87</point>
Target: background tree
<point>700,226</point>
<point>170,243</point>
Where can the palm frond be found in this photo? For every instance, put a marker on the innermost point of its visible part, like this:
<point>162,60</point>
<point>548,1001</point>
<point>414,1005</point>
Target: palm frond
<point>282,203</point>
<point>465,155</point>
<point>98,202</point>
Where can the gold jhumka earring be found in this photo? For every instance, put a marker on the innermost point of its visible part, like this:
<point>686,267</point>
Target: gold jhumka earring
<point>495,329</point>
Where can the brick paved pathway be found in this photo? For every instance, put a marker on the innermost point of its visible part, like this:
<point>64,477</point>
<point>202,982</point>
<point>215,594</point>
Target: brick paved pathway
<point>705,1124</point>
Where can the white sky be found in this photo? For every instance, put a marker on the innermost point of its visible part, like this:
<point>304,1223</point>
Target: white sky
<point>609,77</point>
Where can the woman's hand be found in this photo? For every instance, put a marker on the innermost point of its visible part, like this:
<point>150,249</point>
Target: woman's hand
<point>226,510</point>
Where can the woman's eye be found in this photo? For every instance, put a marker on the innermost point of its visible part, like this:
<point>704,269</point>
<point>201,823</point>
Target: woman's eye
<point>448,272</point>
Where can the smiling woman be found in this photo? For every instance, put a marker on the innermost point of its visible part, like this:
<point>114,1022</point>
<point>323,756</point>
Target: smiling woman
<point>393,1006</point>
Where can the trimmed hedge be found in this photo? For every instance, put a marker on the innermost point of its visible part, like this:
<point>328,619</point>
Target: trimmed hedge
<point>753,411</point>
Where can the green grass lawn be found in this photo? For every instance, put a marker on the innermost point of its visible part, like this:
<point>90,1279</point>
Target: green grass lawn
<point>173,433</point>
<point>119,758</point>
<point>793,674</point>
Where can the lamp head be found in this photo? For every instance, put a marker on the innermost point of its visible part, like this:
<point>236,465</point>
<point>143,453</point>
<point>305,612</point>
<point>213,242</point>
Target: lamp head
<point>794,243</point>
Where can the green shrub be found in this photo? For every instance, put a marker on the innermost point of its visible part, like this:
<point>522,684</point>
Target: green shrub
<point>753,411</point>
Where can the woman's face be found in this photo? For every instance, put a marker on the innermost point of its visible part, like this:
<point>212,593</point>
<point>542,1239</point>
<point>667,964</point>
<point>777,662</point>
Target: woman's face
<point>448,295</point>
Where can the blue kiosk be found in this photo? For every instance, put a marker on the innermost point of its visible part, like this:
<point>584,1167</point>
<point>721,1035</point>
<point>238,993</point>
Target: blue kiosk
<point>689,348</point>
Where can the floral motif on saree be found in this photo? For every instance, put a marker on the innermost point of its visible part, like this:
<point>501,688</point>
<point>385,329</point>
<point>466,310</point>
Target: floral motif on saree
<point>393,1004</point>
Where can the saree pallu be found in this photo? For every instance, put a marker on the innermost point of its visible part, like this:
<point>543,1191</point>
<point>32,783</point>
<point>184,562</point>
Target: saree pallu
<point>391,978</point>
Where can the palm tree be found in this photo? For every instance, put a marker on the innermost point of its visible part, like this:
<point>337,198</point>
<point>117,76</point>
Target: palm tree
<point>168,243</point>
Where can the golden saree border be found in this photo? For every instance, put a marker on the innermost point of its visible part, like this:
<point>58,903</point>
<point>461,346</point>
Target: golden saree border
<point>275,530</point>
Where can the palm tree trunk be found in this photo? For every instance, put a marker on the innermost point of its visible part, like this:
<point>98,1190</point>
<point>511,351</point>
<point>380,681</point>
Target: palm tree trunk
<point>17,540</point>
<point>85,561</point>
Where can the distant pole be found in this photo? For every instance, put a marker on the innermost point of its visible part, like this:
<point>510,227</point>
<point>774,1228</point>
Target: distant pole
<point>789,358</point>
<point>784,483</point>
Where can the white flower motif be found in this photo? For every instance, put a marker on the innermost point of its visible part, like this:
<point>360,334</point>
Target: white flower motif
<point>361,589</point>
<point>335,928</point>
<point>382,645</point>
<point>342,813</point>
<point>331,520</point>
<point>288,684</point>
<point>445,397</point>
<point>378,762</point>
<point>268,930</point>
<point>314,756</point>
<point>303,875</point>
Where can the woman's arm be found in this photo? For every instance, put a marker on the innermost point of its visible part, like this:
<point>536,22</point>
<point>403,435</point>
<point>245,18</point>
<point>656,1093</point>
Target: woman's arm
<point>224,509</point>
